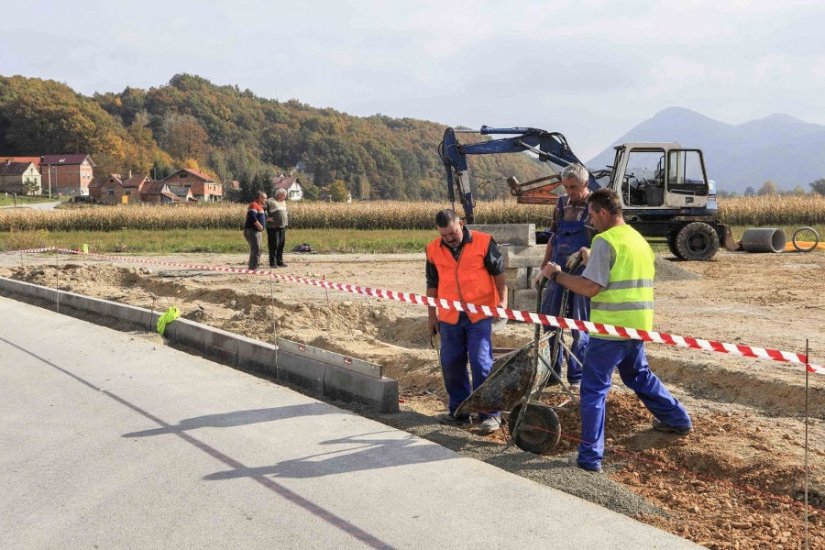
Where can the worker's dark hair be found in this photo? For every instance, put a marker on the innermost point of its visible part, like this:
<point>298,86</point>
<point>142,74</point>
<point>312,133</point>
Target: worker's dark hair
<point>445,217</point>
<point>605,199</point>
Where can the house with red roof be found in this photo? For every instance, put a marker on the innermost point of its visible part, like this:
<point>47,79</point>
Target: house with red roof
<point>291,184</point>
<point>203,187</point>
<point>33,160</point>
<point>67,174</point>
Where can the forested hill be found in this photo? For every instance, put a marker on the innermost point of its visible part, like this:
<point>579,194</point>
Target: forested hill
<point>234,134</point>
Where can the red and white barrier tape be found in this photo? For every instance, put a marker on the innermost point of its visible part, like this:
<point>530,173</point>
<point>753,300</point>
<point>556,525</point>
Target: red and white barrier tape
<point>514,315</point>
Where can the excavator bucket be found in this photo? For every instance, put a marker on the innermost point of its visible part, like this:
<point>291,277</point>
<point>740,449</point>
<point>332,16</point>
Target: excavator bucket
<point>730,244</point>
<point>537,191</point>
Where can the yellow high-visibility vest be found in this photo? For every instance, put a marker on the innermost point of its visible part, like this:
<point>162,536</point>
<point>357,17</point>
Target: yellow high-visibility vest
<point>627,300</point>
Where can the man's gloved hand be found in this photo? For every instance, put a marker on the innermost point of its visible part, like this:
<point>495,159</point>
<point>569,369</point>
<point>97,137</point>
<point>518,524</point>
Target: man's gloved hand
<point>577,258</point>
<point>537,279</point>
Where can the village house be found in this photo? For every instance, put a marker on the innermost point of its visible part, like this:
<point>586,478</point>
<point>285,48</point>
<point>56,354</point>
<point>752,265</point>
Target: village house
<point>157,192</point>
<point>67,174</point>
<point>117,190</point>
<point>291,184</point>
<point>182,192</point>
<point>22,178</point>
<point>203,187</point>
<point>33,160</point>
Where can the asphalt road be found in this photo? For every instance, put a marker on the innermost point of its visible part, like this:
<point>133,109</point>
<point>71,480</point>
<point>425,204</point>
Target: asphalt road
<point>112,440</point>
<point>35,205</point>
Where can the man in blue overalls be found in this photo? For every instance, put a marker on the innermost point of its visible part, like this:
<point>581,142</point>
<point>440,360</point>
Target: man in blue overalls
<point>570,232</point>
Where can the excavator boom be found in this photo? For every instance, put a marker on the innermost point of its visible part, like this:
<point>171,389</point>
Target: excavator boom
<point>550,147</point>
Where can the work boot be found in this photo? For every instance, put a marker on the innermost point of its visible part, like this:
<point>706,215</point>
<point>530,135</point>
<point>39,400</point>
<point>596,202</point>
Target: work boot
<point>281,264</point>
<point>489,426</point>
<point>574,461</point>
<point>449,420</point>
<point>664,428</point>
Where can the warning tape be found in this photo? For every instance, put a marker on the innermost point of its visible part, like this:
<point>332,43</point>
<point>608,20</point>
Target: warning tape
<point>502,313</point>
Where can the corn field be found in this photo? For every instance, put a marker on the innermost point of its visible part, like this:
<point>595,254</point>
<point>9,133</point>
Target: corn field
<point>773,210</point>
<point>307,215</point>
<point>746,211</point>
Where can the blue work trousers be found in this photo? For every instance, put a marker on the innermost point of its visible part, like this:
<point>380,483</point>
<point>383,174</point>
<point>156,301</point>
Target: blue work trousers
<point>629,357</point>
<point>460,342</point>
<point>578,307</point>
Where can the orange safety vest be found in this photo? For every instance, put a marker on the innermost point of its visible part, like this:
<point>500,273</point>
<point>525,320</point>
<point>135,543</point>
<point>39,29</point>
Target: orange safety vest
<point>465,280</point>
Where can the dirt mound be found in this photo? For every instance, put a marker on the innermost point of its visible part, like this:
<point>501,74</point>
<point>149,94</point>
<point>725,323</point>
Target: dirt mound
<point>667,269</point>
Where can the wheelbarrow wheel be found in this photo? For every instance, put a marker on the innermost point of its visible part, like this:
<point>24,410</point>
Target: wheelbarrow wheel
<point>540,429</point>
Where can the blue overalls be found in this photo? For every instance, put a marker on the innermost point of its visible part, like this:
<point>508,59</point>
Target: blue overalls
<point>570,236</point>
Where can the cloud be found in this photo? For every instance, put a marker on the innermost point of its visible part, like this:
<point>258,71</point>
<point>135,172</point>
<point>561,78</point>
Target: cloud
<point>588,68</point>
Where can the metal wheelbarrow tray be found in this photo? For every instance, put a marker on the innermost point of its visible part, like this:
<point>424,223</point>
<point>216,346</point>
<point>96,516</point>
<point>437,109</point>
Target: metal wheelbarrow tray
<point>515,380</point>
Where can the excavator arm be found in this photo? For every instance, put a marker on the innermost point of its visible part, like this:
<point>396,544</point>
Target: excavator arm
<point>550,147</point>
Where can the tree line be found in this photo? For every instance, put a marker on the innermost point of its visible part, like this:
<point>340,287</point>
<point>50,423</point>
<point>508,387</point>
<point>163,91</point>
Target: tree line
<point>235,135</point>
<point>771,188</point>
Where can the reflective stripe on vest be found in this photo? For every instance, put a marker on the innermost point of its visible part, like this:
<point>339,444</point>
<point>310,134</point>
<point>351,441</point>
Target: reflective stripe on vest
<point>627,300</point>
<point>465,280</point>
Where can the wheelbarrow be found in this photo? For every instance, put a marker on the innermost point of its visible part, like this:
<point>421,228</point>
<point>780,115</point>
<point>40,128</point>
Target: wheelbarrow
<point>516,383</point>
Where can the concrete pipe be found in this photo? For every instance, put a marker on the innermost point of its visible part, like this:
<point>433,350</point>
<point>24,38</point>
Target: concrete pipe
<point>764,239</point>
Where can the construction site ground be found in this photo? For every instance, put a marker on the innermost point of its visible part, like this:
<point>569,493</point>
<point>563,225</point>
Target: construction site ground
<point>737,481</point>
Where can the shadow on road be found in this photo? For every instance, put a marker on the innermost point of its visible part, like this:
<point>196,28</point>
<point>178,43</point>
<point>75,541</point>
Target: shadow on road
<point>238,418</point>
<point>366,451</point>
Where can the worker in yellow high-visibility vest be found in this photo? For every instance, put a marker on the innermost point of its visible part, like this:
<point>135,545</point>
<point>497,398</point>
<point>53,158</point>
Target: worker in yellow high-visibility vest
<point>619,281</point>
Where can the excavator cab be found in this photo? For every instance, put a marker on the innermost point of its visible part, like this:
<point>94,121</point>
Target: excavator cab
<point>660,175</point>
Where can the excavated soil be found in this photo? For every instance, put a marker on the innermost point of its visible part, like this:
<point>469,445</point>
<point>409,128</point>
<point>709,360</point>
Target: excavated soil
<point>737,481</point>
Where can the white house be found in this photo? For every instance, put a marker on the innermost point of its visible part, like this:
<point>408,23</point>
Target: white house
<point>292,185</point>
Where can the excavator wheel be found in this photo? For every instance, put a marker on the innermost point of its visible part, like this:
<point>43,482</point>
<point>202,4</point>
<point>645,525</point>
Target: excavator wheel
<point>697,241</point>
<point>671,244</point>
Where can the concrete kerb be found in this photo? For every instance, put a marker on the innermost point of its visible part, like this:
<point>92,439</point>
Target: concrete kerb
<point>334,381</point>
<point>257,356</point>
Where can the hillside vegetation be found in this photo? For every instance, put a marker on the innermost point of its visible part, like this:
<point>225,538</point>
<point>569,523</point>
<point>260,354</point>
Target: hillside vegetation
<point>235,134</point>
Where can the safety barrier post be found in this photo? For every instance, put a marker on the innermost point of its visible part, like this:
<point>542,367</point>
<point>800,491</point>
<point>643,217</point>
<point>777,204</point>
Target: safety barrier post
<point>57,288</point>
<point>807,390</point>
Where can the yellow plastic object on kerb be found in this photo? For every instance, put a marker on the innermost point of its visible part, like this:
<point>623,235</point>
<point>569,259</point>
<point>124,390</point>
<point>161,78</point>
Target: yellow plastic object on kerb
<point>170,315</point>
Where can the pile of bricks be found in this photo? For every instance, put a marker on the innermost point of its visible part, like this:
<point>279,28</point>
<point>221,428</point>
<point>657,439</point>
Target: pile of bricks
<point>522,260</point>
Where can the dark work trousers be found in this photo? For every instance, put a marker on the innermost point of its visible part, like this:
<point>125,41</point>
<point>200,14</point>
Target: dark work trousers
<point>578,307</point>
<point>602,358</point>
<point>275,238</point>
<point>253,237</point>
<point>460,342</point>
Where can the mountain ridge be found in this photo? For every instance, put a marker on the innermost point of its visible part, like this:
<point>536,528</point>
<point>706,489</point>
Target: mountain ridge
<point>778,147</point>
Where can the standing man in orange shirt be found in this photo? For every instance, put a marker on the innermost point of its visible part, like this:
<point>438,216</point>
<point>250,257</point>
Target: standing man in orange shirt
<point>466,266</point>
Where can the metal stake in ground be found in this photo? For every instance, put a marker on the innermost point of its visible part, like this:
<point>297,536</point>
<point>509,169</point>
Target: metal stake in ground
<point>807,388</point>
<point>272,307</point>
<point>57,266</point>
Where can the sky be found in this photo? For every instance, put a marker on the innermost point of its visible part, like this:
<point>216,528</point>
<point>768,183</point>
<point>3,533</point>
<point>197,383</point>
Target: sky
<point>588,69</point>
